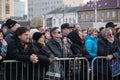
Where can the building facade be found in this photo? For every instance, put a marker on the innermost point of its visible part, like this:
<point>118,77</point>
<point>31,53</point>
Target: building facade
<point>19,8</point>
<point>60,16</point>
<point>37,8</point>
<point>6,9</point>
<point>107,10</point>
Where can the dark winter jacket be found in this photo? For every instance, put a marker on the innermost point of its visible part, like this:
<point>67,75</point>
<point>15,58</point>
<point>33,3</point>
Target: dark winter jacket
<point>55,48</point>
<point>105,48</point>
<point>78,48</point>
<point>43,54</point>
<point>16,51</point>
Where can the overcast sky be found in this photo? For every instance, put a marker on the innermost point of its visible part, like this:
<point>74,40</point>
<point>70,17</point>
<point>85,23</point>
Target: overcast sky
<point>86,1</point>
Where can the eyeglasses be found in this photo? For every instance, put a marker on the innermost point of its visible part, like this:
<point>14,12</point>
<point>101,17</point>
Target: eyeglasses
<point>58,32</point>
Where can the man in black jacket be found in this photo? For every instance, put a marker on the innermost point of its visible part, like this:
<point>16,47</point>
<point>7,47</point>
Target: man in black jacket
<point>19,48</point>
<point>108,47</point>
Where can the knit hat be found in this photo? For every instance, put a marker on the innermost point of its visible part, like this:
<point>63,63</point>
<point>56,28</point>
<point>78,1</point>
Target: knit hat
<point>10,23</point>
<point>36,36</point>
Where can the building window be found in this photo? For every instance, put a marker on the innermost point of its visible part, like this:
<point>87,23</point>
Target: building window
<point>82,16</point>
<point>74,21</point>
<point>59,21</point>
<point>108,14</point>
<point>69,20</point>
<point>65,6</point>
<point>66,20</point>
<point>7,9</point>
<point>102,15</point>
<point>113,14</point>
<point>92,16</point>
<point>54,21</point>
<point>98,15</point>
<point>70,5</point>
<point>87,16</point>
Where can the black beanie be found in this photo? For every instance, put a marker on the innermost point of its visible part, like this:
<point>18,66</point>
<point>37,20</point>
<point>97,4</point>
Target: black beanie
<point>36,36</point>
<point>10,23</point>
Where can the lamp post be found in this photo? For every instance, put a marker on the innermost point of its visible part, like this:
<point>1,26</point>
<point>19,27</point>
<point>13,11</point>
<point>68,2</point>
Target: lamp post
<point>95,8</point>
<point>63,15</point>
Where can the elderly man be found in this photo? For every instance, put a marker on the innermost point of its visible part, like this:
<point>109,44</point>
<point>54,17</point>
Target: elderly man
<point>108,47</point>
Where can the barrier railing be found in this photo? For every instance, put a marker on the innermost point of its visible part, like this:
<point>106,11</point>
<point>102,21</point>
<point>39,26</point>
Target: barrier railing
<point>102,69</point>
<point>62,69</point>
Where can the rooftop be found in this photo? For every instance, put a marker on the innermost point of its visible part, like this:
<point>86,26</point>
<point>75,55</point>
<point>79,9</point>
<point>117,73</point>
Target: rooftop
<point>66,10</point>
<point>101,4</point>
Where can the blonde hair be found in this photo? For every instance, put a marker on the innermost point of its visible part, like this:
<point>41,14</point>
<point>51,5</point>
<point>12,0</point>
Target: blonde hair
<point>91,30</point>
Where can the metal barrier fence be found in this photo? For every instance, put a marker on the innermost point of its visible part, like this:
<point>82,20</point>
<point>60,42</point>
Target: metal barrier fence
<point>103,69</point>
<point>62,69</point>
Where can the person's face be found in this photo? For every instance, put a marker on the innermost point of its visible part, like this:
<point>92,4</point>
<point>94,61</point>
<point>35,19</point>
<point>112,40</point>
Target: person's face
<point>4,29</point>
<point>77,27</point>
<point>14,28</point>
<point>95,34</point>
<point>47,35</point>
<point>57,34</point>
<point>41,29</point>
<point>25,37</point>
<point>80,34</point>
<point>113,30</point>
<point>65,41</point>
<point>41,40</point>
<point>1,36</point>
<point>66,31</point>
<point>109,34</point>
<point>85,33</point>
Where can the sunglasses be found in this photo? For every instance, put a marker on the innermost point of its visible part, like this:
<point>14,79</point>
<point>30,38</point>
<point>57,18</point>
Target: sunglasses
<point>58,32</point>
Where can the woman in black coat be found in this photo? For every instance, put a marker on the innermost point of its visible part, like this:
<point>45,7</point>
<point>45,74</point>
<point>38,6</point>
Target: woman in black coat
<point>45,56</point>
<point>79,50</point>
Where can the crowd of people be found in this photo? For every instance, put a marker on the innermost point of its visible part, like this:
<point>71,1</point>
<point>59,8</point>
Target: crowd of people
<point>44,46</point>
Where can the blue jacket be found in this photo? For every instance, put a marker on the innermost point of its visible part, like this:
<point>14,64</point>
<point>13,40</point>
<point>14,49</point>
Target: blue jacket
<point>3,50</point>
<point>91,45</point>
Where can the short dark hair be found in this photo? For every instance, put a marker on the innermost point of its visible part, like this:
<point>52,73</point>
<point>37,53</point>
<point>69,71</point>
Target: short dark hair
<point>21,30</point>
<point>53,30</point>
